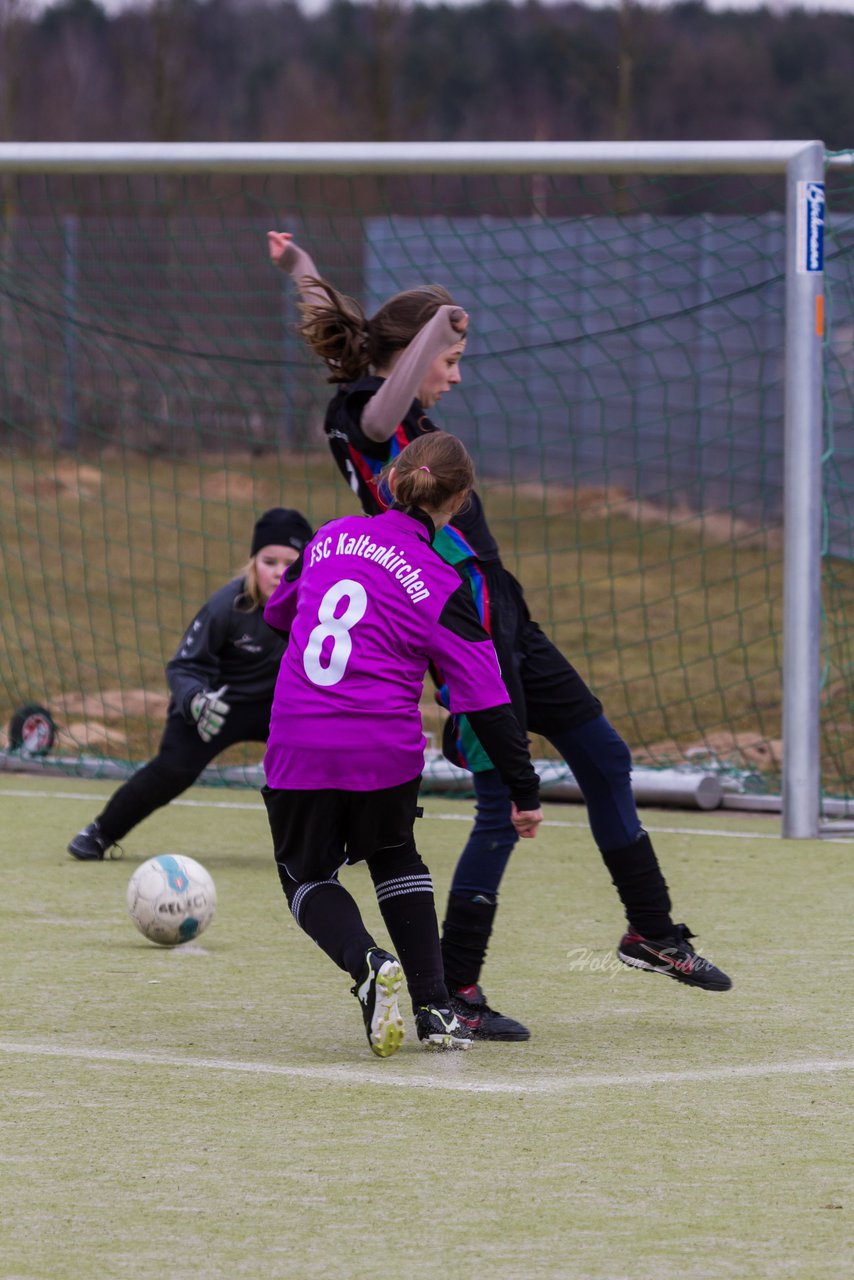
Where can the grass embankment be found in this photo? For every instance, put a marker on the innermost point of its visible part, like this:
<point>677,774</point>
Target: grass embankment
<point>675,622</point>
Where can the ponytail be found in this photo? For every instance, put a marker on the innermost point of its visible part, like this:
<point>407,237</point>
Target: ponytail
<point>350,344</point>
<point>337,331</point>
<point>431,471</point>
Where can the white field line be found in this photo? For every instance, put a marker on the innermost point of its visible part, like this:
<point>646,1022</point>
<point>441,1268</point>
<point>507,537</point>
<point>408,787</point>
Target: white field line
<point>434,817</point>
<point>440,1078</point>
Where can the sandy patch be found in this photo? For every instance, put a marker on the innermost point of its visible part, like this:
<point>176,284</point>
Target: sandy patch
<point>616,501</point>
<point>88,733</point>
<point>228,486</point>
<point>736,749</point>
<point>111,704</point>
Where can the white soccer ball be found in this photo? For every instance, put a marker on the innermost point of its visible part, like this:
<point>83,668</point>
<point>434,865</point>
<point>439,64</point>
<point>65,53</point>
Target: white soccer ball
<point>171,899</point>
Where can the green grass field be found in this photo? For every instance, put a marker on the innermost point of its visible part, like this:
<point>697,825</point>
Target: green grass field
<point>214,1111</point>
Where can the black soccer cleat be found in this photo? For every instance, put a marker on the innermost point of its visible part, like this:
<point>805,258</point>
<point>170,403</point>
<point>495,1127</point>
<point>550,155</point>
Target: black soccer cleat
<point>441,1029</point>
<point>90,844</point>
<point>673,956</point>
<point>469,1004</point>
<point>377,994</point>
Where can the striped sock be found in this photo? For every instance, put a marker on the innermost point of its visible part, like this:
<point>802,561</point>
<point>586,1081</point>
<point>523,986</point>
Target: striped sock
<point>327,913</point>
<point>408,909</point>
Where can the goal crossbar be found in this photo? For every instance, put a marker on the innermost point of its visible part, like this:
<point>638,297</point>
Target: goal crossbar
<point>395,157</point>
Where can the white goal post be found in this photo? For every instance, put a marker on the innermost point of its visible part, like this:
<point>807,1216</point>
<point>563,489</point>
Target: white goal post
<point>800,163</point>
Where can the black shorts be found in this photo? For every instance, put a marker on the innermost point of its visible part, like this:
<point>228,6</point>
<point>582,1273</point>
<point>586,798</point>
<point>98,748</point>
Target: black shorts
<point>316,832</point>
<point>547,693</point>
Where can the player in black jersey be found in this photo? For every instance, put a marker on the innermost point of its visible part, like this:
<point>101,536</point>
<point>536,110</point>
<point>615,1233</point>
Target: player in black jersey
<point>390,369</point>
<point>221,679</point>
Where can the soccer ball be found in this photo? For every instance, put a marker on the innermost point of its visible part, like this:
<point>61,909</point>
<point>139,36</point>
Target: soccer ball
<point>171,899</point>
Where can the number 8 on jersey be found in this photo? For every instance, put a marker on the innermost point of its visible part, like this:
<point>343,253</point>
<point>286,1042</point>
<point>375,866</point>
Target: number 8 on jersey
<point>336,629</point>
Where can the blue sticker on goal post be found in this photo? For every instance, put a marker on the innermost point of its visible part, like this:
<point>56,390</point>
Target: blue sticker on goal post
<point>810,249</point>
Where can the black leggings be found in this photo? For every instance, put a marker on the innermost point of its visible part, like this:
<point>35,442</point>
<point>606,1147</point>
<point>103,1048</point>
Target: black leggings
<point>181,758</point>
<point>313,832</point>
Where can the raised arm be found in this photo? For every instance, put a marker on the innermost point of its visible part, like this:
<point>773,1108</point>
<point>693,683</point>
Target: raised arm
<point>296,263</point>
<point>388,407</point>
<point>385,410</point>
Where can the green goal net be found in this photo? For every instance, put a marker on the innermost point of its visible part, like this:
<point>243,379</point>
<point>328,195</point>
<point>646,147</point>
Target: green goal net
<point>622,394</point>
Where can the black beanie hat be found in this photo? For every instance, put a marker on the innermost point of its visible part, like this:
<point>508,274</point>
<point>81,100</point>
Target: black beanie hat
<point>281,527</point>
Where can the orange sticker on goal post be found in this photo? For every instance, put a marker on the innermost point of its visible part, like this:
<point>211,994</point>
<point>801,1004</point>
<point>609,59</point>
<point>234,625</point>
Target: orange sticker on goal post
<point>819,315</point>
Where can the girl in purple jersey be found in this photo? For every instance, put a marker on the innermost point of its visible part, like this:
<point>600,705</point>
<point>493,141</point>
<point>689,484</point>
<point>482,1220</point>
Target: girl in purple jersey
<point>391,368</point>
<point>369,606</point>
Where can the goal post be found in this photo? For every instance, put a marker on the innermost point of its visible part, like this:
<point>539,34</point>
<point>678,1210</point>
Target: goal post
<point>802,448</point>
<point>798,165</point>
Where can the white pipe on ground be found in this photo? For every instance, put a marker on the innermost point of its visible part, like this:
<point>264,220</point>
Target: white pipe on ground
<point>667,787</point>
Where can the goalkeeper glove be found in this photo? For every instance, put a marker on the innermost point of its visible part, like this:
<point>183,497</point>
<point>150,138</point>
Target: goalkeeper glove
<point>209,711</point>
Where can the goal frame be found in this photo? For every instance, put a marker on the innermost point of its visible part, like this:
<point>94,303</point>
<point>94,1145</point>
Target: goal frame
<point>802,163</point>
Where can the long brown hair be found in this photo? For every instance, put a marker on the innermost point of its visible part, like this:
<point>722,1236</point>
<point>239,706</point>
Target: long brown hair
<point>349,343</point>
<point>431,471</point>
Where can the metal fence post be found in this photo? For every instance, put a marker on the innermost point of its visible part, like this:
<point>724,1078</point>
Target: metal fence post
<point>68,439</point>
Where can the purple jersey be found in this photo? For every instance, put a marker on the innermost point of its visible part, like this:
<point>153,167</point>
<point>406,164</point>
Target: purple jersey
<point>371,607</point>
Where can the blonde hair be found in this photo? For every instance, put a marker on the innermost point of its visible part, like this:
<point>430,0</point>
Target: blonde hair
<point>431,471</point>
<point>349,343</point>
<point>250,597</point>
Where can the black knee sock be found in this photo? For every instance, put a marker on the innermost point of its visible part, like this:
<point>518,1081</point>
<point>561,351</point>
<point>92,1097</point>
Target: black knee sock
<point>405,896</point>
<point>150,788</point>
<point>465,938</point>
<point>643,892</point>
<point>327,913</point>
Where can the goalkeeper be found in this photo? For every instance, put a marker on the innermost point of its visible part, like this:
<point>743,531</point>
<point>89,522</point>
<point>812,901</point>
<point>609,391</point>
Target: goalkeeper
<point>392,368</point>
<point>221,679</point>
